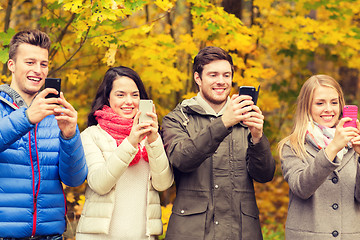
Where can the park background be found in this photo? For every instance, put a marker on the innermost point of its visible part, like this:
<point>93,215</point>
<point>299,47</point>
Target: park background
<point>275,44</point>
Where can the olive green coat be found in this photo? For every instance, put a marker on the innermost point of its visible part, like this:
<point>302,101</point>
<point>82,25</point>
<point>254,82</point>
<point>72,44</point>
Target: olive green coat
<point>214,168</point>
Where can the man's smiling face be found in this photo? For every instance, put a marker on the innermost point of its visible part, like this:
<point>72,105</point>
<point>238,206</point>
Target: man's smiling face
<point>29,69</point>
<point>215,82</point>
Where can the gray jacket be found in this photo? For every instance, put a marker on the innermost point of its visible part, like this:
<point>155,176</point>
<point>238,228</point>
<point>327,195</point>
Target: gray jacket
<point>323,195</point>
<point>214,168</point>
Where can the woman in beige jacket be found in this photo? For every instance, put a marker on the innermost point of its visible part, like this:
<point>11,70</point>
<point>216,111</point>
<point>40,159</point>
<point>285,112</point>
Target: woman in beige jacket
<point>320,162</point>
<point>126,161</point>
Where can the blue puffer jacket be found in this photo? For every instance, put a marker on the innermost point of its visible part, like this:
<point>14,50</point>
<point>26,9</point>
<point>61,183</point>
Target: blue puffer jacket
<point>34,160</point>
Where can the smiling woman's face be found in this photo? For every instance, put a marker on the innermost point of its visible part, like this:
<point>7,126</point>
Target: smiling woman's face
<point>325,106</point>
<point>124,97</point>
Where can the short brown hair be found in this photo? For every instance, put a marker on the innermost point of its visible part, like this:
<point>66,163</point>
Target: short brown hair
<point>208,55</point>
<point>32,36</point>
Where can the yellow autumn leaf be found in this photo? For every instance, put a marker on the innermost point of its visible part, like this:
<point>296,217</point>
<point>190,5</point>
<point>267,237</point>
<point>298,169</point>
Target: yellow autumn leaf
<point>165,5</point>
<point>75,76</point>
<point>110,55</point>
<point>70,197</point>
<point>102,41</point>
<point>75,6</point>
<point>78,208</point>
<point>263,4</point>
<point>147,28</point>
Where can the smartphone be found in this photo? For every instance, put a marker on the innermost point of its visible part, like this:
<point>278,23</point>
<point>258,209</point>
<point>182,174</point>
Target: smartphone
<point>53,83</point>
<point>350,111</point>
<point>145,106</point>
<point>251,91</point>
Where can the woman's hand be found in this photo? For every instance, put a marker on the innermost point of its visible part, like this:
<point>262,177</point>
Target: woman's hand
<point>138,131</point>
<point>154,126</point>
<point>356,140</point>
<point>341,138</point>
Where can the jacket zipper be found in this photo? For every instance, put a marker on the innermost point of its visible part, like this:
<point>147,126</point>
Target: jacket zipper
<point>35,194</point>
<point>64,199</point>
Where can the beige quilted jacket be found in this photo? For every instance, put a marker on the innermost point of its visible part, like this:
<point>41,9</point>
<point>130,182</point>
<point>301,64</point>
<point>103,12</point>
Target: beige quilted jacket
<point>106,163</point>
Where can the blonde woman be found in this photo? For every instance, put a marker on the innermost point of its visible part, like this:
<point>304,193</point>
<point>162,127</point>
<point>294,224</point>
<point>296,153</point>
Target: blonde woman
<point>320,162</point>
<point>127,164</point>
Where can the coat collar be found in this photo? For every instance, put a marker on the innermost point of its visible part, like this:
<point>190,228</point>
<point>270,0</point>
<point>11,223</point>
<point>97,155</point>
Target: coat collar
<point>17,99</point>
<point>195,106</point>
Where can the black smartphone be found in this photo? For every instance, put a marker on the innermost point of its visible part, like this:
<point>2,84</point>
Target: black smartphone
<point>251,91</point>
<point>53,83</point>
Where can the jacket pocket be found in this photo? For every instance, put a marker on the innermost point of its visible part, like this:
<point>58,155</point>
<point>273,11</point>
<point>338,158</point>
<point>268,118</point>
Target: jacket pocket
<point>187,220</point>
<point>250,224</point>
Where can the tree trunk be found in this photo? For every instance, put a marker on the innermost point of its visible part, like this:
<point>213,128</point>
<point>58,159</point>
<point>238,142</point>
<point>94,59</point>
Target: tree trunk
<point>6,27</point>
<point>234,7</point>
<point>349,80</point>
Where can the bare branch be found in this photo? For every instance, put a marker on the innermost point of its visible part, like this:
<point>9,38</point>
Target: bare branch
<point>53,51</point>
<point>77,50</point>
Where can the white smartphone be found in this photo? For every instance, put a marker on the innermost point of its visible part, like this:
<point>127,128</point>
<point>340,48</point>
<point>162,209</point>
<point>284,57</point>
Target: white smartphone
<point>145,106</point>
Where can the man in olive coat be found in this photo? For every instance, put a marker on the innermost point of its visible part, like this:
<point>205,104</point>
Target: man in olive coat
<point>217,148</point>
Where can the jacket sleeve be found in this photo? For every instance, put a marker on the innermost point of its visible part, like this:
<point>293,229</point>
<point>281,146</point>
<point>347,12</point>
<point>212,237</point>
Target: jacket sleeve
<point>161,173</point>
<point>259,160</point>
<point>103,175</point>
<point>185,152</point>
<point>13,127</point>
<point>72,164</point>
<point>305,176</point>
<point>357,182</point>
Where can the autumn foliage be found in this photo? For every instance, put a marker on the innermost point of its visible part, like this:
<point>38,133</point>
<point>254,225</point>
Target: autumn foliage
<point>275,44</point>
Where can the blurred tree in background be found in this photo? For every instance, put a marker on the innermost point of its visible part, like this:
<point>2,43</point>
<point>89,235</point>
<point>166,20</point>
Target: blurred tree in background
<point>275,44</point>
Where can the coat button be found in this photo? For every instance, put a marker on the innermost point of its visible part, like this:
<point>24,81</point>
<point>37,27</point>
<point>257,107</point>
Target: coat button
<point>216,186</point>
<point>182,211</point>
<point>216,222</point>
<point>335,233</point>
<point>335,180</point>
<point>335,206</point>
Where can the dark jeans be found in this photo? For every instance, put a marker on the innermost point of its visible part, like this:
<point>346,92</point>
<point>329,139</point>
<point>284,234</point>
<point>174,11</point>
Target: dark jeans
<point>49,237</point>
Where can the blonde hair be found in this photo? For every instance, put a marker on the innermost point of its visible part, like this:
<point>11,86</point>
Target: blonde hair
<point>303,112</point>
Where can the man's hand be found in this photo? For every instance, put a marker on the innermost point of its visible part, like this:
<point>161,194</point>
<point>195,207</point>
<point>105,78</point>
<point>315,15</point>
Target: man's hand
<point>42,107</point>
<point>255,122</point>
<point>236,111</point>
<point>66,117</point>
<point>239,109</point>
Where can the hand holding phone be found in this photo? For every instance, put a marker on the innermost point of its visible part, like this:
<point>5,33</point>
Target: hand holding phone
<point>350,111</point>
<point>53,83</point>
<point>251,91</point>
<point>145,106</point>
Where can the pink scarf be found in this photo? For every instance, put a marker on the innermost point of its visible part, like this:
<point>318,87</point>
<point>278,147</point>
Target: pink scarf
<point>119,128</point>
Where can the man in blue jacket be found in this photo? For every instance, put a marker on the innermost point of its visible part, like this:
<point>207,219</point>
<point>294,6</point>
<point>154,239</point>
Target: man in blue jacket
<point>40,145</point>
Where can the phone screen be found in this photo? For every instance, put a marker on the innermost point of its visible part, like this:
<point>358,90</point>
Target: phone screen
<point>53,83</point>
<point>145,106</point>
<point>251,91</point>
